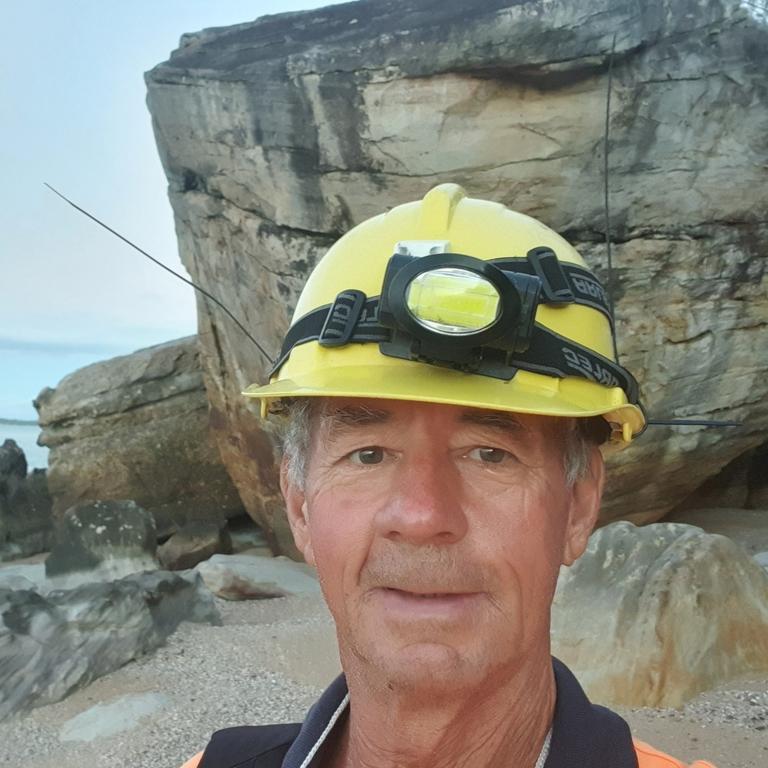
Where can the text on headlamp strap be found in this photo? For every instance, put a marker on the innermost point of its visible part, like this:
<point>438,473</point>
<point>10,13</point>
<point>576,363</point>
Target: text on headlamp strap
<point>353,319</point>
<point>562,282</point>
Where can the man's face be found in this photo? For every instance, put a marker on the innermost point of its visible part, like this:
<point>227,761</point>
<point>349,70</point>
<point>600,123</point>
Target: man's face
<point>437,532</point>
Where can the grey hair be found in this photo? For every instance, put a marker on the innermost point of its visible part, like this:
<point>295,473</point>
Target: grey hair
<point>576,451</point>
<point>293,432</point>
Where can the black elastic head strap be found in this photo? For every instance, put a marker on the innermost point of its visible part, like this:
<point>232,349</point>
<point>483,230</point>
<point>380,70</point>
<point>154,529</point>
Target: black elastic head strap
<point>562,282</point>
<point>353,319</point>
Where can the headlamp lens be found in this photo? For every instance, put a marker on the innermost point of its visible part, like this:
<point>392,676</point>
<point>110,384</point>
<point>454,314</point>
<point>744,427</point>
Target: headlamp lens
<point>453,301</point>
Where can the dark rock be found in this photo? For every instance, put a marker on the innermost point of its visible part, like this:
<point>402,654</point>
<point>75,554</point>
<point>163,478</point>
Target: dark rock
<point>13,463</point>
<point>103,540</point>
<point>728,489</point>
<point>172,598</point>
<point>757,479</point>
<point>51,646</point>
<point>192,544</point>
<point>26,523</point>
<point>136,427</point>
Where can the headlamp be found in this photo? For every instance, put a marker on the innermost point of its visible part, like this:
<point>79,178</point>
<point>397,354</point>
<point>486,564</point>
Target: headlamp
<point>445,307</point>
<point>472,315</point>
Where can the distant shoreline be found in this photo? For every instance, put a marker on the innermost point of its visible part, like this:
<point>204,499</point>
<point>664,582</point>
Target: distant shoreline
<point>19,422</point>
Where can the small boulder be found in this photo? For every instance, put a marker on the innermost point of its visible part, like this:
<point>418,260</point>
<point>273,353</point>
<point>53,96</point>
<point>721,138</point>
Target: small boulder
<point>26,522</point>
<point>192,544</point>
<point>52,645</point>
<point>102,541</point>
<point>651,616</point>
<point>249,577</point>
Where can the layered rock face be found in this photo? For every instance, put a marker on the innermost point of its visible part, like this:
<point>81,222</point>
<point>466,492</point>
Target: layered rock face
<point>136,427</point>
<point>279,135</point>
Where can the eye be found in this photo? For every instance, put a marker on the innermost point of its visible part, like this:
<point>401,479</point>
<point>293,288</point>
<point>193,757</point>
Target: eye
<point>367,456</point>
<point>489,455</point>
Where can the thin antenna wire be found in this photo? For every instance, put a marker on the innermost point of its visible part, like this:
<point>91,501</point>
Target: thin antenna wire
<point>609,257</point>
<point>167,269</point>
<point>692,423</point>
<point>606,206</point>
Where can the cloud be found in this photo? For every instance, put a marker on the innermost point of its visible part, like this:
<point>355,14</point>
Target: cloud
<point>8,344</point>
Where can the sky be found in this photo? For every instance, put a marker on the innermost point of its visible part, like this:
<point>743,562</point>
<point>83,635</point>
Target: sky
<point>73,114</point>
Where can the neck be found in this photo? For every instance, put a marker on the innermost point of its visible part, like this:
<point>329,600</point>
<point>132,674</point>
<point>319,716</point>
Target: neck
<point>498,723</point>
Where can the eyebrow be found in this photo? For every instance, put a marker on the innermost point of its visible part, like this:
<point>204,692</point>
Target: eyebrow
<point>340,420</point>
<point>502,422</point>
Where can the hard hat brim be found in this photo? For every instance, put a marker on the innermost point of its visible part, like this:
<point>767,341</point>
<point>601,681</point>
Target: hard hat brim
<point>526,393</point>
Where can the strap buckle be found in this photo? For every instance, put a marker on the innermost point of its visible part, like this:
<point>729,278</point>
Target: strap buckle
<point>554,282</point>
<point>342,317</point>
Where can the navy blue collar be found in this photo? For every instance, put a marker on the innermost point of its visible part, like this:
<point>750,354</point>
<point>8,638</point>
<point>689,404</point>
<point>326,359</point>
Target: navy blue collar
<point>584,735</point>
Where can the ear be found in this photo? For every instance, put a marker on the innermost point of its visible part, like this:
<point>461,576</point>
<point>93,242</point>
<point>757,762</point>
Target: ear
<point>584,508</point>
<point>296,510</point>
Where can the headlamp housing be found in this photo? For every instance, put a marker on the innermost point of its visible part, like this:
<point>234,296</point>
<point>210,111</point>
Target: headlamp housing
<point>456,310</point>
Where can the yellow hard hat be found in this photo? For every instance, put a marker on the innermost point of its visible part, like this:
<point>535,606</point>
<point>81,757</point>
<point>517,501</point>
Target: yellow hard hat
<point>460,301</point>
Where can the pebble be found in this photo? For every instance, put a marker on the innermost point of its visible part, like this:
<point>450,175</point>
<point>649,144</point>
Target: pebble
<point>743,708</point>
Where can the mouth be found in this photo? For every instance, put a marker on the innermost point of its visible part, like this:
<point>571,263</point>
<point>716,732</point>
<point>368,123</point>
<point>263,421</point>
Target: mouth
<point>426,595</point>
<point>402,604</point>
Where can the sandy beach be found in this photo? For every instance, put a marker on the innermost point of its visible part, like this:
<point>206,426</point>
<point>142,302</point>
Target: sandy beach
<point>268,663</point>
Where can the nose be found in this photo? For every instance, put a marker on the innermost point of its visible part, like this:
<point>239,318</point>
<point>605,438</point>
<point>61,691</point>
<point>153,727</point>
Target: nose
<point>425,507</point>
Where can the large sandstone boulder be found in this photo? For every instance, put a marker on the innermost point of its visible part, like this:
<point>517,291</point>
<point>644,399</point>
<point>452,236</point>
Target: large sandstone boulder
<point>136,427</point>
<point>51,646</point>
<point>279,135</point>
<point>651,616</point>
<point>26,522</point>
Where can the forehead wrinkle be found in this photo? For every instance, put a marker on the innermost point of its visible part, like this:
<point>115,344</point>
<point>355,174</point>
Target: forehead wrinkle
<point>339,421</point>
<point>507,423</point>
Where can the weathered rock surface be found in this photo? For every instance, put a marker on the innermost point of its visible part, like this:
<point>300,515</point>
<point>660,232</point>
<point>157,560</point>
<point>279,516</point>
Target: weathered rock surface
<point>252,577</point>
<point>136,427</point>
<point>651,616</point>
<point>279,135</point>
<point>26,522</point>
<point>102,541</point>
<point>747,527</point>
<point>192,544</point>
<point>51,646</point>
